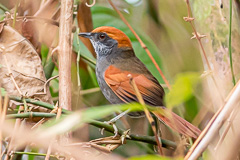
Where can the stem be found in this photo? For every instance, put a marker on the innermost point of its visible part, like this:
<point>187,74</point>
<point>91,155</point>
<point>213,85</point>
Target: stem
<point>146,139</point>
<point>15,13</point>
<point>65,52</point>
<point>141,138</point>
<point>230,43</point>
<point>35,154</point>
<point>38,103</point>
<point>30,115</point>
<point>2,7</point>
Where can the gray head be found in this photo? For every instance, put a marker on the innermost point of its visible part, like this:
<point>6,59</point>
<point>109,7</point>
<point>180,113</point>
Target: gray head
<point>104,39</point>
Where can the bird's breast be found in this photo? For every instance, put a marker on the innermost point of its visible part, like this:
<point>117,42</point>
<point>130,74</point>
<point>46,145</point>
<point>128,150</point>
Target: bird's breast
<point>106,90</point>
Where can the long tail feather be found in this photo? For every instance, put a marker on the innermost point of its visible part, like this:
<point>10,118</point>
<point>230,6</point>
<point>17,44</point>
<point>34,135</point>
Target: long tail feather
<point>179,124</point>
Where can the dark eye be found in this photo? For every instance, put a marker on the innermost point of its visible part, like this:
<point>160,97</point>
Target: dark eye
<point>102,36</point>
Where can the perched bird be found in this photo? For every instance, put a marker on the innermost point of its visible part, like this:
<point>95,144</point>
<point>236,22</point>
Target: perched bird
<point>116,60</point>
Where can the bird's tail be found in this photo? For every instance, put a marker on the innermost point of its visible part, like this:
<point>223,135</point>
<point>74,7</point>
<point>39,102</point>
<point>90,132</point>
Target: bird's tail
<point>177,123</point>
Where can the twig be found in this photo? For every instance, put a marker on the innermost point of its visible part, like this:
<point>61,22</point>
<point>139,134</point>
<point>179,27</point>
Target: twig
<point>45,85</point>
<point>141,43</point>
<point>141,138</point>
<point>146,139</point>
<point>230,42</point>
<point>11,75</point>
<point>215,124</point>
<point>148,115</point>
<point>198,37</point>
<point>36,154</point>
<point>38,103</point>
<point>50,21</point>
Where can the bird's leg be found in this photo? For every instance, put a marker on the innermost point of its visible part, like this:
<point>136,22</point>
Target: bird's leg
<point>113,120</point>
<point>124,136</point>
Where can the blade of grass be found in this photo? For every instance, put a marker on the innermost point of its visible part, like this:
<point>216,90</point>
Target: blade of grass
<point>230,42</point>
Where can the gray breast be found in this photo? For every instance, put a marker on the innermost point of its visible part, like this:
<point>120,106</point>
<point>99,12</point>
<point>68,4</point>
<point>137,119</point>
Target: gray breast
<point>106,90</point>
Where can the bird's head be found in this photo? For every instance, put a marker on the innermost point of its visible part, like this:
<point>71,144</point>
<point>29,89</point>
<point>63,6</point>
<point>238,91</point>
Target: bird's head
<point>105,38</point>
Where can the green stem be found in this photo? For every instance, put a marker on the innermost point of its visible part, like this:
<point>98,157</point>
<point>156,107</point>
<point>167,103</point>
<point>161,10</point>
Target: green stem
<point>141,138</point>
<point>36,154</point>
<point>2,7</point>
<point>31,114</point>
<point>147,139</point>
<point>38,103</point>
<point>48,68</point>
<point>78,60</point>
<point>230,42</point>
<point>15,13</point>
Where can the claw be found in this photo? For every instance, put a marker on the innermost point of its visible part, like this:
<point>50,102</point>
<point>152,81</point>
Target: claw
<point>114,128</point>
<point>125,135</point>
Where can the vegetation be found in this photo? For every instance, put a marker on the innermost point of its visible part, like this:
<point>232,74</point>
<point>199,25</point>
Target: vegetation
<point>51,106</point>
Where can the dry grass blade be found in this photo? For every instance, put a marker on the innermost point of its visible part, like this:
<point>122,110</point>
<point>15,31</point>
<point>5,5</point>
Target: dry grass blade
<point>3,110</point>
<point>13,134</point>
<point>147,113</point>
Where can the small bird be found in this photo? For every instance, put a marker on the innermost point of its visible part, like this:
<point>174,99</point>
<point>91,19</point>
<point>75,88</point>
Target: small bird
<point>116,60</point>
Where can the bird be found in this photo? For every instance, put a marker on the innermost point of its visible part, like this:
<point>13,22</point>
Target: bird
<point>116,60</point>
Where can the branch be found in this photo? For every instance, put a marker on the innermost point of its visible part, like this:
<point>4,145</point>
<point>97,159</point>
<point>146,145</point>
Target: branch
<point>146,139</point>
<point>38,103</point>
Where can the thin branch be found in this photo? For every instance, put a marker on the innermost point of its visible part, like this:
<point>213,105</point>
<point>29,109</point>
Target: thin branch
<point>38,103</point>
<point>36,154</point>
<point>190,19</point>
<point>146,139</point>
<point>50,21</point>
<point>230,43</point>
<point>31,115</point>
<point>141,43</point>
<point>11,75</point>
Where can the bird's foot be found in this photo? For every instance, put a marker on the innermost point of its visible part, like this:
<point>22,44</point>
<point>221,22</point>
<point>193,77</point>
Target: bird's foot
<point>113,121</point>
<point>114,128</point>
<point>125,135</point>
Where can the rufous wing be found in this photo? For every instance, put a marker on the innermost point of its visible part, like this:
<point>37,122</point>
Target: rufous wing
<point>119,81</point>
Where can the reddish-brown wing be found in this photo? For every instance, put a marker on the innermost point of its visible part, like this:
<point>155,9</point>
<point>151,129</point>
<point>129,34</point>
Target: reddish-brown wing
<point>119,81</point>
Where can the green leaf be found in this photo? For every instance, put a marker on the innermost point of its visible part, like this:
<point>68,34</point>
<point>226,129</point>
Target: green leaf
<point>182,89</point>
<point>3,91</point>
<point>152,157</point>
<point>75,120</point>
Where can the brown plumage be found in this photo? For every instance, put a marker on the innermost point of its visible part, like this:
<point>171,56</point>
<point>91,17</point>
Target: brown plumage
<point>115,61</point>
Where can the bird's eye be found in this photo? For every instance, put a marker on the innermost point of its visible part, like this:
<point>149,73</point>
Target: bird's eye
<point>102,36</point>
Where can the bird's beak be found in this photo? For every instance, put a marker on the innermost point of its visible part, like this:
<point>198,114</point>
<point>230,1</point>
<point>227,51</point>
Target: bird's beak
<point>86,34</point>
